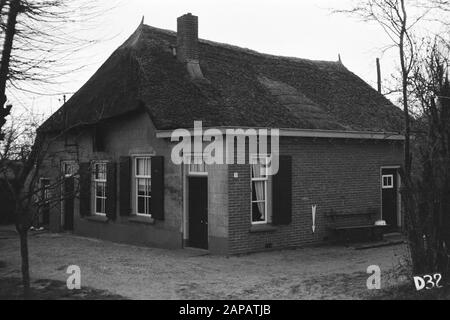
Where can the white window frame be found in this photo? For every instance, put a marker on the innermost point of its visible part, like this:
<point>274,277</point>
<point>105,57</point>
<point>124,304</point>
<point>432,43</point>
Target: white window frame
<point>95,183</point>
<point>388,185</point>
<point>72,165</point>
<point>264,179</point>
<point>136,178</point>
<point>193,160</point>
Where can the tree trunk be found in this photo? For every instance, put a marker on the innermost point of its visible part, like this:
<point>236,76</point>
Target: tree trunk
<point>14,9</point>
<point>405,75</point>
<point>415,234</point>
<point>25,262</point>
<point>23,223</point>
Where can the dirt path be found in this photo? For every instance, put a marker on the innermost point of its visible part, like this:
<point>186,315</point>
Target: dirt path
<point>147,273</point>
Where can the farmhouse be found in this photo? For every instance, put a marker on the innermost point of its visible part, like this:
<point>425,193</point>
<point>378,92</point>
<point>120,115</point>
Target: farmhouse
<point>340,148</point>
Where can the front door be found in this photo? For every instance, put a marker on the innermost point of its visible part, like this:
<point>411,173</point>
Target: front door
<point>69,188</point>
<point>389,189</point>
<point>198,212</point>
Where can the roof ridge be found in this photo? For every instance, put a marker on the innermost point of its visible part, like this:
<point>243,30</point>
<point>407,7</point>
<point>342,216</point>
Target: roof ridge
<point>245,50</point>
<point>134,38</point>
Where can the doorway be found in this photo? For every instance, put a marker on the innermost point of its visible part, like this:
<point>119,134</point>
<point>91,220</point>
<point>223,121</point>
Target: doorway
<point>390,197</point>
<point>68,202</point>
<point>198,212</point>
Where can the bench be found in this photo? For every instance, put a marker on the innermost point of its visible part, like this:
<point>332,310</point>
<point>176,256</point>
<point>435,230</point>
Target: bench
<point>366,230</point>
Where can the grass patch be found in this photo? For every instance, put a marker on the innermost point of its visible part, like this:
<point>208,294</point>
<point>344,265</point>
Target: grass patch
<point>11,289</point>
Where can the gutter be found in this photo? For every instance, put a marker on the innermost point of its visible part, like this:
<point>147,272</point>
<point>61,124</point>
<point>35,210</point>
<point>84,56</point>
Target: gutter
<point>301,133</point>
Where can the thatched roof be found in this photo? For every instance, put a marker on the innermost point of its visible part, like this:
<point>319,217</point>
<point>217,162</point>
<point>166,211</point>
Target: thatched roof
<point>242,88</point>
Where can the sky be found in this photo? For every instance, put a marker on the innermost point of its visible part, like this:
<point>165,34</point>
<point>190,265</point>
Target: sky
<point>298,28</point>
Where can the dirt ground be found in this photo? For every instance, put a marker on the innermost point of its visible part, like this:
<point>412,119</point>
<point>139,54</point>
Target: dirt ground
<point>11,289</point>
<point>148,273</point>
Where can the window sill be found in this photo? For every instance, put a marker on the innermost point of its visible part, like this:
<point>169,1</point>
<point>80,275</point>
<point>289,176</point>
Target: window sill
<point>142,220</point>
<point>97,218</point>
<point>257,228</point>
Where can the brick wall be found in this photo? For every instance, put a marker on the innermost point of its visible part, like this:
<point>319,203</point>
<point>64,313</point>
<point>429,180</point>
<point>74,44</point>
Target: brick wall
<point>134,135</point>
<point>340,175</point>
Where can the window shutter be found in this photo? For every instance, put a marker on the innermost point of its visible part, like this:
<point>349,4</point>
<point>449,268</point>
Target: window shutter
<point>111,190</point>
<point>85,189</point>
<point>157,201</point>
<point>125,186</point>
<point>282,193</point>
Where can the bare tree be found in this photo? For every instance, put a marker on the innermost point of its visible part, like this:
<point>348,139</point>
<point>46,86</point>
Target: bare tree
<point>430,188</point>
<point>20,132</point>
<point>39,40</point>
<point>31,148</point>
<point>400,20</point>
<point>9,31</point>
<point>30,196</point>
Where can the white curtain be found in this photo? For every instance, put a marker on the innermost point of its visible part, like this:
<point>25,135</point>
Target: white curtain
<point>259,188</point>
<point>143,167</point>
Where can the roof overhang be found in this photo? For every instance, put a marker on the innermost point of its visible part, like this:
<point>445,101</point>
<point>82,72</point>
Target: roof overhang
<point>301,133</point>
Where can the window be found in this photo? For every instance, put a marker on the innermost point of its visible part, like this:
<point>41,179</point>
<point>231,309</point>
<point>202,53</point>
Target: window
<point>99,185</point>
<point>68,169</point>
<point>388,181</point>
<point>143,177</point>
<point>196,164</point>
<point>259,182</point>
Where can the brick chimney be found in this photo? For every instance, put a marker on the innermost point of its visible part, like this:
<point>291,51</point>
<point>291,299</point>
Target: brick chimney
<point>187,44</point>
<point>187,38</point>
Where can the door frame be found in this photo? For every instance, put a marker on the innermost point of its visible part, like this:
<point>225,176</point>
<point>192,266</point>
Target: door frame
<point>205,178</point>
<point>64,202</point>
<point>186,174</point>
<point>400,221</point>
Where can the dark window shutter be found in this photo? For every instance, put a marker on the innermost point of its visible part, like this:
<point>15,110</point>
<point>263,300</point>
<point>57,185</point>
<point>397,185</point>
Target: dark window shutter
<point>85,189</point>
<point>125,186</point>
<point>157,202</point>
<point>111,190</point>
<point>282,193</point>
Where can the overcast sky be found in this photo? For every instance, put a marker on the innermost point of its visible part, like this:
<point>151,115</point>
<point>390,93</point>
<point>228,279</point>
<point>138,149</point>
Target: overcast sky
<point>305,29</point>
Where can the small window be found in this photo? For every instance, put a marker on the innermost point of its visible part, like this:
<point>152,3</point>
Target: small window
<point>388,181</point>
<point>196,164</point>
<point>99,185</point>
<point>259,190</point>
<point>143,177</point>
<point>68,169</point>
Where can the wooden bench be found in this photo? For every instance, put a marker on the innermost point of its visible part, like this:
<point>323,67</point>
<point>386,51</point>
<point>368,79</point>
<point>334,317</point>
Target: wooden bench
<point>359,232</point>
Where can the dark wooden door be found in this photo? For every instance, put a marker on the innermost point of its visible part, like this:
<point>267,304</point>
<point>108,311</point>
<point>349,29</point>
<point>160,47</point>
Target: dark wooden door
<point>69,188</point>
<point>198,212</point>
<point>389,189</point>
